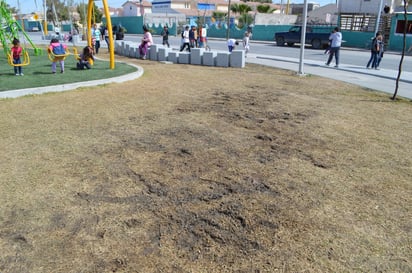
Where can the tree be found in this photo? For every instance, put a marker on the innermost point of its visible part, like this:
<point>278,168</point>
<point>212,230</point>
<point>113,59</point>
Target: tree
<point>240,8</point>
<point>219,16</point>
<point>265,9</point>
<point>12,10</point>
<point>56,11</point>
<point>245,20</point>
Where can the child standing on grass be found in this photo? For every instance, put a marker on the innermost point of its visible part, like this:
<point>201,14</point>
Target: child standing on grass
<point>59,52</point>
<point>16,51</point>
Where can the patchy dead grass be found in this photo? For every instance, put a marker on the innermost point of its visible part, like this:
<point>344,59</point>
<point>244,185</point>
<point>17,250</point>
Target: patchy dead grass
<point>201,169</point>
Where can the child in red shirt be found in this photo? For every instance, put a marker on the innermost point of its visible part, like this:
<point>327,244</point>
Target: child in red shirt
<point>16,51</point>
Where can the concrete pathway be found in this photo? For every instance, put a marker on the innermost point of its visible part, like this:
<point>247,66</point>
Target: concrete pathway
<point>381,80</point>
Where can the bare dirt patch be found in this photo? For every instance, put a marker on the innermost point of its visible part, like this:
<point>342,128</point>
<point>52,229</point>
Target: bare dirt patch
<point>197,169</point>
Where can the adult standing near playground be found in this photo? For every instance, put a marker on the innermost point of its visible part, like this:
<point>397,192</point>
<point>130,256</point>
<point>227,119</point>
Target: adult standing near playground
<point>335,44</point>
<point>105,35</point>
<point>96,36</point>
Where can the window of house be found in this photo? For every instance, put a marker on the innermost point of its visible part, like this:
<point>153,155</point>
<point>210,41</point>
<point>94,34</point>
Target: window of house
<point>400,27</point>
<point>357,22</point>
<point>187,5</point>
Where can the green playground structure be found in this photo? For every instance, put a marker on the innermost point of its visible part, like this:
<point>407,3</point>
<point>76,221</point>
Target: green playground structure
<point>11,29</point>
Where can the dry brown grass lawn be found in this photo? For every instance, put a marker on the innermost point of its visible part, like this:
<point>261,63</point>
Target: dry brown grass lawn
<point>202,169</point>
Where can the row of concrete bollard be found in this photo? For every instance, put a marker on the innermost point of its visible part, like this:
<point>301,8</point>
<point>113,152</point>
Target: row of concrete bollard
<point>197,56</point>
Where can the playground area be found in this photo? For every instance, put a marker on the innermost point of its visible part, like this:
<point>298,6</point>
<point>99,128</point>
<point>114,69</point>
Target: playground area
<point>33,62</point>
<point>38,72</point>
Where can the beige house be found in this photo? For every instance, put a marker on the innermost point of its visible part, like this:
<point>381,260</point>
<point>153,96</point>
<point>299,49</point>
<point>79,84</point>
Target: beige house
<point>136,8</point>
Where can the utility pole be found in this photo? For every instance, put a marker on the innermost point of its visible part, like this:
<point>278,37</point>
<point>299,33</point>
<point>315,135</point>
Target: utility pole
<point>228,21</point>
<point>378,19</point>
<point>303,38</point>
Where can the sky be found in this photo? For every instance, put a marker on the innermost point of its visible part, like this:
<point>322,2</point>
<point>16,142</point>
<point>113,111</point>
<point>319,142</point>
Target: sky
<point>29,6</point>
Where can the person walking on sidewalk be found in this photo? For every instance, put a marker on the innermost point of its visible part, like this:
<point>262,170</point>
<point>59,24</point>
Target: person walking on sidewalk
<point>246,38</point>
<point>335,44</point>
<point>165,35</point>
<point>375,49</point>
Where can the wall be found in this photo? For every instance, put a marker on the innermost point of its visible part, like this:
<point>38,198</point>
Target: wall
<point>133,24</point>
<point>359,6</point>
<point>357,39</point>
<point>396,39</point>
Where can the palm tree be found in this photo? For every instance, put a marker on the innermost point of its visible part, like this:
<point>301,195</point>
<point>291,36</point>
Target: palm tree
<point>219,16</point>
<point>240,8</point>
<point>265,9</point>
<point>245,20</point>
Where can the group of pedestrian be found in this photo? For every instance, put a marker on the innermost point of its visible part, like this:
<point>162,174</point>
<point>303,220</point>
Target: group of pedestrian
<point>335,42</point>
<point>233,43</point>
<point>99,34</point>
<point>377,49</point>
<point>193,37</point>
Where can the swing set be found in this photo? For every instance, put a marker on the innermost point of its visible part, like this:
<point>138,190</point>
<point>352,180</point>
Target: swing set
<point>10,31</point>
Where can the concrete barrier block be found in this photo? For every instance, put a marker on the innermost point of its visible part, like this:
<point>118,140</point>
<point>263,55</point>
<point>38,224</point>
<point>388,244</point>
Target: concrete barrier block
<point>138,52</point>
<point>222,59</point>
<point>163,54</point>
<point>184,58</point>
<point>127,49</point>
<point>133,52</point>
<point>173,56</point>
<point>237,58</point>
<point>153,52</point>
<point>196,55</point>
<point>209,58</point>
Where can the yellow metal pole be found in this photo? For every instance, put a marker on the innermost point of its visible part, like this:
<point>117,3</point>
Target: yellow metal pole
<point>89,21</point>
<point>109,30</point>
<point>45,19</point>
<point>287,8</point>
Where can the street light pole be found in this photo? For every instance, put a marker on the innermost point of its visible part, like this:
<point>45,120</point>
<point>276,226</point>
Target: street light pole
<point>378,19</point>
<point>228,21</point>
<point>303,38</point>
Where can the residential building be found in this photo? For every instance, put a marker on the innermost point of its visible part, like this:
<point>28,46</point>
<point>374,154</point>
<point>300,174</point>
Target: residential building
<point>136,8</point>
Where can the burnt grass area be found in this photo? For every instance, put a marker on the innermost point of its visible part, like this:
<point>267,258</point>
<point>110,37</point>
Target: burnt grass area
<point>247,174</point>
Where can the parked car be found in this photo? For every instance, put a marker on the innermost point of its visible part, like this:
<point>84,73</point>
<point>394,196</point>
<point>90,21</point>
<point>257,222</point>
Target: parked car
<point>315,39</point>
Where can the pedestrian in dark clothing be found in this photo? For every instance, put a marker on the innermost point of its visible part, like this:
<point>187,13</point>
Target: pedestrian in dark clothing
<point>375,49</point>
<point>165,35</point>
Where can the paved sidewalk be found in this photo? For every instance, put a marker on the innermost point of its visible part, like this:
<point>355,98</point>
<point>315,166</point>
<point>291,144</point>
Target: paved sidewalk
<point>381,80</point>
